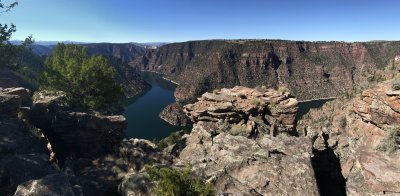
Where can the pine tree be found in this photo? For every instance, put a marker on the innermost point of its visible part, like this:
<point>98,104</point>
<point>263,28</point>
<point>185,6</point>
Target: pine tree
<point>87,81</point>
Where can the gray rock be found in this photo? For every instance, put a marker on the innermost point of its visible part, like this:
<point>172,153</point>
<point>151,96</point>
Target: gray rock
<point>23,93</point>
<point>241,166</point>
<point>51,185</point>
<point>16,169</point>
<point>136,185</point>
<point>9,105</point>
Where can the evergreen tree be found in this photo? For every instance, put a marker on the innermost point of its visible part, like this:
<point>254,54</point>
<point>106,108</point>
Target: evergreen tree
<point>9,52</point>
<point>87,81</point>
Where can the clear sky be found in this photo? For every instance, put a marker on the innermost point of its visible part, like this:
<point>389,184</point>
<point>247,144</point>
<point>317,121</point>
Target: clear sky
<point>183,20</point>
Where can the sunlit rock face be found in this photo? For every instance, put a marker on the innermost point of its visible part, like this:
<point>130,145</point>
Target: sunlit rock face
<point>311,70</point>
<point>241,142</point>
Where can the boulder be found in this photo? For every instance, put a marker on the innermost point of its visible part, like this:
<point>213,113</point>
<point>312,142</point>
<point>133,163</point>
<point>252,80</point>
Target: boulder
<point>237,105</point>
<point>242,166</point>
<point>9,105</point>
<point>136,185</point>
<point>73,132</point>
<point>51,185</point>
<point>16,169</point>
<point>23,93</point>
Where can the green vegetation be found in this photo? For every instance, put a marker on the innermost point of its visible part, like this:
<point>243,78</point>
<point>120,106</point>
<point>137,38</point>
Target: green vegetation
<point>262,88</point>
<point>172,138</point>
<point>171,182</point>
<point>239,130</point>
<point>9,53</point>
<point>391,142</point>
<point>256,102</point>
<point>283,89</point>
<point>87,81</point>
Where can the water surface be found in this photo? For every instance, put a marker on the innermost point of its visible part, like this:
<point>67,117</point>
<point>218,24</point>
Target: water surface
<point>142,111</point>
<point>305,107</point>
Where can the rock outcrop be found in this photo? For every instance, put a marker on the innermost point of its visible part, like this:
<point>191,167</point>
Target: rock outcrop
<point>269,112</point>
<point>22,154</point>
<point>76,133</point>
<point>362,135</point>
<point>174,115</point>
<point>232,145</point>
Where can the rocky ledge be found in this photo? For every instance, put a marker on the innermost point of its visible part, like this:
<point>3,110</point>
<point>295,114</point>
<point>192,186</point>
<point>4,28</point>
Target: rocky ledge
<point>240,142</point>
<point>257,111</point>
<point>356,142</point>
<point>174,115</point>
<point>75,133</point>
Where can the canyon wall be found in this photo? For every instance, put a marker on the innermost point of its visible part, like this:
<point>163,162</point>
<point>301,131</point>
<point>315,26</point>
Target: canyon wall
<point>311,70</point>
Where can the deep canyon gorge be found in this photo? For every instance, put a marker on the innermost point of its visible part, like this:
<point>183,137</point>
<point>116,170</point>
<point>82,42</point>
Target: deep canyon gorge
<point>252,132</point>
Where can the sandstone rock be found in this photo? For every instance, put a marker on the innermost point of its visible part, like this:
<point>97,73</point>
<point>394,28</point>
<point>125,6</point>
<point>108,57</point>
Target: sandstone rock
<point>78,133</point>
<point>9,105</point>
<point>137,153</point>
<point>174,115</point>
<point>16,169</point>
<point>15,139</point>
<point>51,185</point>
<point>24,94</point>
<point>241,103</point>
<point>241,166</point>
<point>353,139</point>
<point>136,185</point>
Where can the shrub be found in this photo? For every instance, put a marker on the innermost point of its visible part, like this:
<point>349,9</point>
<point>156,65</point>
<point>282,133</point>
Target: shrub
<point>391,142</point>
<point>172,138</point>
<point>396,85</point>
<point>283,89</point>
<point>178,182</point>
<point>239,130</point>
<point>256,102</point>
<point>87,81</point>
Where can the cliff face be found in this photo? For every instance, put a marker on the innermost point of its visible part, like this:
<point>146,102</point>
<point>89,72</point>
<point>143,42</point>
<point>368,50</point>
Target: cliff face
<point>356,142</point>
<point>241,143</point>
<point>309,69</point>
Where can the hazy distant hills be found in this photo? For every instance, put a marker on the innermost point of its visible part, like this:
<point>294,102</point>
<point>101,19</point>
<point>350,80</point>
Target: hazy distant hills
<point>46,47</point>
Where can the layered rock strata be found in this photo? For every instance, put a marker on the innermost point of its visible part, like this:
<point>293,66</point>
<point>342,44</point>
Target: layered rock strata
<point>232,144</point>
<point>362,135</point>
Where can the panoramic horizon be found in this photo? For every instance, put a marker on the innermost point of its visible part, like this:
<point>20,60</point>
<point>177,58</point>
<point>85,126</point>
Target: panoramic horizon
<point>199,98</point>
<point>179,21</point>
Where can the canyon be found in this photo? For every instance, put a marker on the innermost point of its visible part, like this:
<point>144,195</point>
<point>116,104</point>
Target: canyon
<point>242,97</point>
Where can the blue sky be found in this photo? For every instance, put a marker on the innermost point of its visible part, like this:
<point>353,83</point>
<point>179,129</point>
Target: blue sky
<point>183,20</point>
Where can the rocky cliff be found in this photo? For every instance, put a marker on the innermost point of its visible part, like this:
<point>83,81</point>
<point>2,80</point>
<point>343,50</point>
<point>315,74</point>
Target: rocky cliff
<point>357,142</point>
<point>242,143</point>
<point>311,70</point>
<point>87,143</point>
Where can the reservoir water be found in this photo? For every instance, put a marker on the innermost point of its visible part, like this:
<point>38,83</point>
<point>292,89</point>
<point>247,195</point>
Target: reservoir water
<point>142,111</point>
<point>305,107</point>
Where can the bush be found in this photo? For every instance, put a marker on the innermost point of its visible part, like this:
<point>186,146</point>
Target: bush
<point>178,182</point>
<point>256,102</point>
<point>172,138</point>
<point>283,89</point>
<point>396,85</point>
<point>239,130</point>
<point>87,81</point>
<point>391,142</point>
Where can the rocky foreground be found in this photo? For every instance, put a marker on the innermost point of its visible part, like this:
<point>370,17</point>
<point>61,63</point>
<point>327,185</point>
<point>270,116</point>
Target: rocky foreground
<point>244,142</point>
<point>361,137</point>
